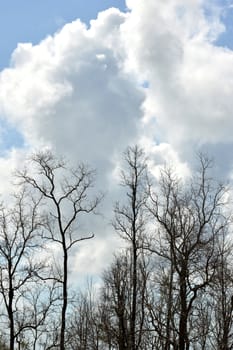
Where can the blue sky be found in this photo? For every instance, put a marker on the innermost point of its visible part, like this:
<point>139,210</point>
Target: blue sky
<point>226,39</point>
<point>31,21</point>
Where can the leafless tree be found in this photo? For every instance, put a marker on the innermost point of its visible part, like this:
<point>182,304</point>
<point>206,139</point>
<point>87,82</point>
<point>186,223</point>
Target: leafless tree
<point>161,305</point>
<point>130,223</point>
<point>221,297</point>
<point>84,330</point>
<point>40,309</point>
<point>188,220</point>
<point>116,303</point>
<point>66,192</point>
<point>19,230</point>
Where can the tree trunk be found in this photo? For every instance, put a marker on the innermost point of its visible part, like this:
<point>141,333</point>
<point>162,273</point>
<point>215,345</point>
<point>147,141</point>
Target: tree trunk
<point>183,332</point>
<point>134,300</point>
<point>10,311</point>
<point>169,309</point>
<point>64,305</point>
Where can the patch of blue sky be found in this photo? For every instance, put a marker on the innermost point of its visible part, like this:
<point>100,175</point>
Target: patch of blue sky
<point>224,9</point>
<point>226,38</point>
<point>31,21</point>
<point>10,137</point>
<point>145,84</point>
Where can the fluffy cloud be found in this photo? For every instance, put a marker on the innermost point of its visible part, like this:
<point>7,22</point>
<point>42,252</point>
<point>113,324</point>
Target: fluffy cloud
<point>70,92</point>
<point>189,99</point>
<point>78,90</point>
<point>81,91</point>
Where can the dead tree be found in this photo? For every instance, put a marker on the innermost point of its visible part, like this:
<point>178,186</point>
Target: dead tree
<point>188,220</point>
<point>19,230</point>
<point>66,193</point>
<point>221,297</point>
<point>130,223</point>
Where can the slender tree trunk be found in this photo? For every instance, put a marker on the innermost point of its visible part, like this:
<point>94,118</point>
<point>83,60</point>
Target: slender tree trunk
<point>183,332</point>
<point>134,267</point>
<point>169,309</point>
<point>11,319</point>
<point>64,305</point>
<point>130,222</point>
<point>122,329</point>
<point>10,310</point>
<point>134,300</point>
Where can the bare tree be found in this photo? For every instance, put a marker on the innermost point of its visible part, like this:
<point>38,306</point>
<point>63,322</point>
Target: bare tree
<point>188,218</point>
<point>116,299</point>
<point>84,330</point>
<point>19,227</point>
<point>66,192</point>
<point>36,318</point>
<point>130,223</point>
<point>221,297</point>
<point>161,305</point>
<point>116,303</point>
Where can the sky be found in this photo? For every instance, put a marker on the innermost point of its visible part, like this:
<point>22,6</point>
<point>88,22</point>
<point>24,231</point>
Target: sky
<point>32,21</point>
<point>89,78</point>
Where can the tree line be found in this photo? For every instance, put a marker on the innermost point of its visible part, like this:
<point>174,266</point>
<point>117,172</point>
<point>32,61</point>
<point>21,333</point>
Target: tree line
<point>170,287</point>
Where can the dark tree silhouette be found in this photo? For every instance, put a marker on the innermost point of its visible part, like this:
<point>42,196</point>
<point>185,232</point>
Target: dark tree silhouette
<point>66,192</point>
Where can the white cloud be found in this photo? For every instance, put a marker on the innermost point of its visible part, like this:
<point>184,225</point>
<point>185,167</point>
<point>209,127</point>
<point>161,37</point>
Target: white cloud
<point>13,160</point>
<point>69,91</point>
<point>79,90</point>
<point>190,79</point>
<point>74,90</point>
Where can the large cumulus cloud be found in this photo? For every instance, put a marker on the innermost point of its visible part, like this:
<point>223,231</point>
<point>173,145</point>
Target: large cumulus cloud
<point>79,90</point>
<point>153,75</point>
<point>172,45</point>
<point>70,91</point>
